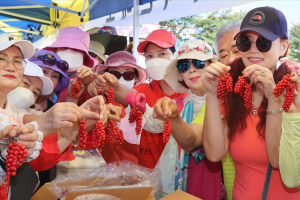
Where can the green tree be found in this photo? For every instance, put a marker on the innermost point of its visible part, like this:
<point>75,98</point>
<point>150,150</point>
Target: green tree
<point>208,25</point>
<point>294,38</point>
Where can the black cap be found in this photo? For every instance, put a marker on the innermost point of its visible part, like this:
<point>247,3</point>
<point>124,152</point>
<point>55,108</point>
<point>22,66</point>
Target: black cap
<point>266,21</point>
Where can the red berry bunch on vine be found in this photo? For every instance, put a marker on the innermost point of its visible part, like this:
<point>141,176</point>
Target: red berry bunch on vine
<point>167,131</point>
<point>113,132</point>
<point>16,155</point>
<point>110,97</point>
<point>98,136</point>
<point>76,88</point>
<point>245,90</point>
<point>225,84</point>
<point>82,134</point>
<point>285,83</point>
<point>136,116</point>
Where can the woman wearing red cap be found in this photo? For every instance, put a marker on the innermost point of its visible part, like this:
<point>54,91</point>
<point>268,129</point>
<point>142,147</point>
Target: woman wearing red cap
<point>252,135</point>
<point>158,47</point>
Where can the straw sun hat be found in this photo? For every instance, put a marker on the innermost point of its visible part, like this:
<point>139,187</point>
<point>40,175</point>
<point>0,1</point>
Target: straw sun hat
<point>191,49</point>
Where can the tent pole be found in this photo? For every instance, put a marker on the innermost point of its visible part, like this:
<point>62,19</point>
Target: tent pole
<point>19,29</point>
<point>82,11</point>
<point>136,29</point>
<point>90,6</point>
<point>65,13</point>
<point>8,20</point>
<point>20,7</point>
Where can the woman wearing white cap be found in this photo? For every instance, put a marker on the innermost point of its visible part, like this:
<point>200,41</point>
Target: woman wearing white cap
<point>12,64</point>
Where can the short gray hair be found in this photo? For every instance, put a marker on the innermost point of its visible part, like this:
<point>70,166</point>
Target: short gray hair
<point>228,26</point>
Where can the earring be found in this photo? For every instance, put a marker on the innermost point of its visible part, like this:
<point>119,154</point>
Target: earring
<point>282,59</point>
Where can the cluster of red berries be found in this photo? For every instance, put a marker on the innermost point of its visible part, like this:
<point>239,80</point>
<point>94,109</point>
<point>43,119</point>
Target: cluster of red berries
<point>98,136</point>
<point>110,97</point>
<point>82,134</point>
<point>76,88</point>
<point>285,83</point>
<point>113,132</point>
<point>15,158</point>
<point>136,115</point>
<point>245,90</point>
<point>225,84</point>
<point>167,131</point>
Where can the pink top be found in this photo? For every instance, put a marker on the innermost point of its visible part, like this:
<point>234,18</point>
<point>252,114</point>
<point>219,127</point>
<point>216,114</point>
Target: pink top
<point>15,115</point>
<point>249,154</point>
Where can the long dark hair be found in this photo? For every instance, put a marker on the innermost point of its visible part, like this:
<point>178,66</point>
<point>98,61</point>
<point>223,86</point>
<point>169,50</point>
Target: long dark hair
<point>235,112</point>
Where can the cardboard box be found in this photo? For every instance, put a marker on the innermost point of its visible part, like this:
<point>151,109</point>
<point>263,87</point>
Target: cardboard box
<point>44,193</point>
<point>180,195</point>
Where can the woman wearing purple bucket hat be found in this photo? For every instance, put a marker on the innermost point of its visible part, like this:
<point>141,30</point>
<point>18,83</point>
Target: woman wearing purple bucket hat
<point>55,69</point>
<point>72,46</point>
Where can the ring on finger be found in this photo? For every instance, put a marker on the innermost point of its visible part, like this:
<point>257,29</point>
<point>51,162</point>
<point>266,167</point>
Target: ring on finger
<point>33,156</point>
<point>262,73</point>
<point>41,136</point>
<point>34,124</point>
<point>38,146</point>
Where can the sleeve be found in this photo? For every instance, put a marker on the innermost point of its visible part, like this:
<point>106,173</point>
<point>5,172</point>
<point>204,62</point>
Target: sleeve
<point>289,150</point>
<point>152,125</point>
<point>142,88</point>
<point>50,154</point>
<point>199,119</point>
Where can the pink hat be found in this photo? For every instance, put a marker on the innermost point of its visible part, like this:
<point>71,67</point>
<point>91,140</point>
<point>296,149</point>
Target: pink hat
<point>125,59</point>
<point>74,38</point>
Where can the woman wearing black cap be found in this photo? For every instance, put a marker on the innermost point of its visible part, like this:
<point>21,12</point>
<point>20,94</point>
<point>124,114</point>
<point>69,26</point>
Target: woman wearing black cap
<point>252,135</point>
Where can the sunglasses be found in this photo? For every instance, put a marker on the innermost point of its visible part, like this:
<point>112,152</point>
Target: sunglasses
<point>243,43</point>
<point>50,60</point>
<point>92,54</point>
<point>128,76</point>
<point>184,64</point>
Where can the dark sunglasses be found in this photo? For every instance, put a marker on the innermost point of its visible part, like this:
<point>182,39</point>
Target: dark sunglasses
<point>184,65</point>
<point>50,60</point>
<point>92,54</point>
<point>243,43</point>
<point>128,76</point>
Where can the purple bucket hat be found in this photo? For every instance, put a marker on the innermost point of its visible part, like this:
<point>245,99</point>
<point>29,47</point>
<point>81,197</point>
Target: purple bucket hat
<point>64,80</point>
<point>74,38</point>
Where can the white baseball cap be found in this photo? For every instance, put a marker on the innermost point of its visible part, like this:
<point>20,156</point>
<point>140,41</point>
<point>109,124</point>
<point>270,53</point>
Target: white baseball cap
<point>32,69</point>
<point>98,49</point>
<point>26,47</point>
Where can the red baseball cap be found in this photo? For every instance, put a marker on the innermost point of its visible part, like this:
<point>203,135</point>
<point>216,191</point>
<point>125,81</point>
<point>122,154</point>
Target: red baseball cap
<point>161,38</point>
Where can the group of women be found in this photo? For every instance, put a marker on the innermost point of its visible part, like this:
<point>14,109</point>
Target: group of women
<point>183,90</point>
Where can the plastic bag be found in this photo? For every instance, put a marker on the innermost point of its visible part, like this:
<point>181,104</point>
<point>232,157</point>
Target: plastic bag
<point>96,197</point>
<point>85,161</point>
<point>121,174</point>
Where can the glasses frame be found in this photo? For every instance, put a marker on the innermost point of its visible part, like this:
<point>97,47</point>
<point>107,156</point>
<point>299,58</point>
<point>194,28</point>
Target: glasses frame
<point>122,74</point>
<point>189,64</point>
<point>42,57</point>
<point>258,46</point>
<point>13,61</point>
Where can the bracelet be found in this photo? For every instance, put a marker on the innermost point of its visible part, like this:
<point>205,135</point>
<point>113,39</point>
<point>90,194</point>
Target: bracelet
<point>66,136</point>
<point>275,112</point>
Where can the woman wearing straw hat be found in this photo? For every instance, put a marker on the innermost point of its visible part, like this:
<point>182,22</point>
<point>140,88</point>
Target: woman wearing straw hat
<point>183,74</point>
<point>97,51</point>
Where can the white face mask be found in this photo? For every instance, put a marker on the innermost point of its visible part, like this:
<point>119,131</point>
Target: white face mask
<point>21,98</point>
<point>156,68</point>
<point>128,84</point>
<point>73,58</point>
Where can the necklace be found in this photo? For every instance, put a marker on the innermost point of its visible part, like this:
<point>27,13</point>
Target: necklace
<point>254,112</point>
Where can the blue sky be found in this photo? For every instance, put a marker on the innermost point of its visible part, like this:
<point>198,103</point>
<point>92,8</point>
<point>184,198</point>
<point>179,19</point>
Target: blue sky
<point>291,9</point>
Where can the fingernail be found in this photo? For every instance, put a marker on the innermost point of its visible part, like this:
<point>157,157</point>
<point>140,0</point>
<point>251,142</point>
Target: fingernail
<point>101,116</point>
<point>225,68</point>
<point>244,75</point>
<point>243,71</point>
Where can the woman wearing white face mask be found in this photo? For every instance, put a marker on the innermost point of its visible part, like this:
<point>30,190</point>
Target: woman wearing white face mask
<point>72,46</point>
<point>33,85</point>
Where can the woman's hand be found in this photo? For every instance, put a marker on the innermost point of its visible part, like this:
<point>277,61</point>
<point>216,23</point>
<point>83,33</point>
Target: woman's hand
<point>115,112</point>
<point>96,105</point>
<point>70,96</point>
<point>27,137</point>
<point>92,90</point>
<point>86,75</point>
<point>136,99</point>
<point>262,78</point>
<point>211,77</point>
<point>106,81</point>
<point>165,108</point>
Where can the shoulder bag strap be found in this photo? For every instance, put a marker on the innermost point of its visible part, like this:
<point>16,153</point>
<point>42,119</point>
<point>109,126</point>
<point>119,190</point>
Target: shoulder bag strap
<point>267,182</point>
